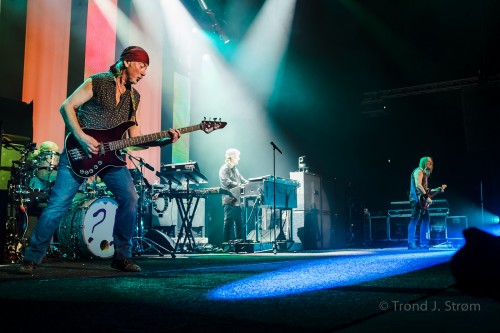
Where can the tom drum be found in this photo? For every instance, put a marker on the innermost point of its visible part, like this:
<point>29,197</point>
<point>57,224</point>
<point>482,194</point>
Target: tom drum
<point>46,166</point>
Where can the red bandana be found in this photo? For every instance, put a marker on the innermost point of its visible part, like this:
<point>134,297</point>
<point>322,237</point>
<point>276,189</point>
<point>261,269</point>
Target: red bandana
<point>135,53</point>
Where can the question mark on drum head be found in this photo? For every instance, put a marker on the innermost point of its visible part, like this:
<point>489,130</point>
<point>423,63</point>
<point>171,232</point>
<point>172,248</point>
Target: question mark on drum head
<point>98,222</point>
<point>102,210</point>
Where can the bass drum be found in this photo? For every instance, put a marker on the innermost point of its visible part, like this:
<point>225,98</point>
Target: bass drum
<point>86,230</point>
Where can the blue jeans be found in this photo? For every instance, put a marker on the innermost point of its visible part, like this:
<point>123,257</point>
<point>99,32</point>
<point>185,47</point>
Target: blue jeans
<point>417,214</point>
<point>117,179</point>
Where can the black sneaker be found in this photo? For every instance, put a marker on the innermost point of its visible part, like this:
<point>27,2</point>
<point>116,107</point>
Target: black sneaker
<point>412,246</point>
<point>27,267</point>
<point>126,265</point>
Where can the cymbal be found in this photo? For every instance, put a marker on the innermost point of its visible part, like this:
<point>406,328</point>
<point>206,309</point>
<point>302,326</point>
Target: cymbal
<point>16,138</point>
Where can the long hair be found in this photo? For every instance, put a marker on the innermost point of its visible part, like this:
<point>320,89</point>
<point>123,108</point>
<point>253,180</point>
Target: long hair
<point>423,163</point>
<point>117,68</point>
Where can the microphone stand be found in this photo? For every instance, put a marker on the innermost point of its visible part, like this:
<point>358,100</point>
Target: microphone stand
<point>275,245</point>
<point>151,245</point>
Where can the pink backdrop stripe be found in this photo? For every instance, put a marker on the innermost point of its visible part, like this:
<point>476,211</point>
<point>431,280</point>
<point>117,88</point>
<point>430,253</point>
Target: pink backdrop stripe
<point>46,66</point>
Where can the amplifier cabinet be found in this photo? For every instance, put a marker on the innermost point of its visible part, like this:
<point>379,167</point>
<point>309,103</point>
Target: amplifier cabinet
<point>455,225</point>
<point>312,221</point>
<point>379,228</point>
<point>398,227</point>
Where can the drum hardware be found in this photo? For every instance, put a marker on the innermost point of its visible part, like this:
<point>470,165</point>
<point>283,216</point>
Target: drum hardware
<point>25,192</point>
<point>157,203</point>
<point>143,244</point>
<point>18,191</point>
<point>92,188</point>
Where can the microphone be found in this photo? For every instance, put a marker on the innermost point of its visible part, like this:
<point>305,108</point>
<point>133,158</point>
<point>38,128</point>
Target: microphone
<point>149,166</point>
<point>276,147</point>
<point>141,161</point>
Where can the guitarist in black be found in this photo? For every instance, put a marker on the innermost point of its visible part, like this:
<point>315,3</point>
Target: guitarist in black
<point>102,102</point>
<point>420,199</point>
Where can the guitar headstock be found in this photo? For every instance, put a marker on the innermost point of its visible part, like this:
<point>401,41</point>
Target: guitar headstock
<point>208,126</point>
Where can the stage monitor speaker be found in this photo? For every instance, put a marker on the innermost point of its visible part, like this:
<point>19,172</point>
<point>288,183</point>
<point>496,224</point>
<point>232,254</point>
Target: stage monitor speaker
<point>162,242</point>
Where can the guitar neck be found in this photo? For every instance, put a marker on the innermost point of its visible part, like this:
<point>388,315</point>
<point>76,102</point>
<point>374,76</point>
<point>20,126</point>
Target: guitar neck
<point>138,140</point>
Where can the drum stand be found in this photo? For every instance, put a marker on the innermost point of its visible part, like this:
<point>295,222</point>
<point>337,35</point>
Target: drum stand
<point>17,222</point>
<point>143,245</point>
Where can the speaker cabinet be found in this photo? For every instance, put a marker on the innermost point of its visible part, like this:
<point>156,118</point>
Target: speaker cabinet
<point>311,219</point>
<point>455,225</point>
<point>379,228</point>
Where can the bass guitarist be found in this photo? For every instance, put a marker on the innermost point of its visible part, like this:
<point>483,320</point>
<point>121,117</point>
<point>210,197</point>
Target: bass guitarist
<point>420,200</point>
<point>103,101</point>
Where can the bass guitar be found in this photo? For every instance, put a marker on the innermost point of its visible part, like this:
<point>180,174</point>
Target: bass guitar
<point>423,198</point>
<point>111,142</point>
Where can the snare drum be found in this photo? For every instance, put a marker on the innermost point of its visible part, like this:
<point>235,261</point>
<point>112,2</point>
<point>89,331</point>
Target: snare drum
<point>86,230</point>
<point>46,168</point>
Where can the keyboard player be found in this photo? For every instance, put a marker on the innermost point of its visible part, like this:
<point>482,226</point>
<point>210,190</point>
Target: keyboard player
<point>231,180</point>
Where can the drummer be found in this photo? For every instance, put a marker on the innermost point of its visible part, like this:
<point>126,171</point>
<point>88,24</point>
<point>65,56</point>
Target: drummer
<point>44,147</point>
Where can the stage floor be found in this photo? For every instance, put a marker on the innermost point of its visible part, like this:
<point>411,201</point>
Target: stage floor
<point>348,290</point>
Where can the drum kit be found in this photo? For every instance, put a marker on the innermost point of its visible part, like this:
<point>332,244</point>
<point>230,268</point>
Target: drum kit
<point>86,229</point>
<point>32,177</point>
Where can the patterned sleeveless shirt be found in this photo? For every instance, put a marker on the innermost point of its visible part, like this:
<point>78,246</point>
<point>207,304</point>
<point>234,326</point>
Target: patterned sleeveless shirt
<point>101,111</point>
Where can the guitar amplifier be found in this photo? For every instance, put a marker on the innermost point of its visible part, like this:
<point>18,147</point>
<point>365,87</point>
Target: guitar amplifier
<point>439,207</point>
<point>455,225</point>
<point>399,209</point>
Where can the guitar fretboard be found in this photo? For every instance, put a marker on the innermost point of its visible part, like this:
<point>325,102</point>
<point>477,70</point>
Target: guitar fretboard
<point>138,140</point>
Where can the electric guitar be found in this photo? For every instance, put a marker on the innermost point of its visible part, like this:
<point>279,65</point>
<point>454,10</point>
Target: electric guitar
<point>111,143</point>
<point>423,198</point>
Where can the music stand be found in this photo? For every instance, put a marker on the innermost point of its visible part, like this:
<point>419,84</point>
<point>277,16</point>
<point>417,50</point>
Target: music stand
<point>184,174</point>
